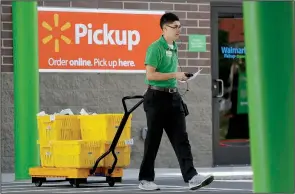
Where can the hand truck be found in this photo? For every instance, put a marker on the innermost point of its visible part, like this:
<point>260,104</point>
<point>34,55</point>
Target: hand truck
<point>77,176</point>
<point>117,136</point>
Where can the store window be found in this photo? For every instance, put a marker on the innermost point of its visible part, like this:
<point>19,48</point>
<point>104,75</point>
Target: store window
<point>234,128</point>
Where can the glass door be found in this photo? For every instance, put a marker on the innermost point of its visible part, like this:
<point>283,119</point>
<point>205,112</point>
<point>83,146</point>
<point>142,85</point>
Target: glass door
<point>229,95</point>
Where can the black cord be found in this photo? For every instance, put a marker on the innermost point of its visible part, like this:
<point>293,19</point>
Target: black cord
<point>187,85</point>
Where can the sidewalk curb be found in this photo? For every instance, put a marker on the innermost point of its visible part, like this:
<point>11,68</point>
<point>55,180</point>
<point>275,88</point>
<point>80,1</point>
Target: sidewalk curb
<point>219,173</point>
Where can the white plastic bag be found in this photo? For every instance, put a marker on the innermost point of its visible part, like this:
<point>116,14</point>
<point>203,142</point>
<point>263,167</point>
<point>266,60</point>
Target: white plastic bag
<point>42,113</point>
<point>66,112</point>
<point>83,112</point>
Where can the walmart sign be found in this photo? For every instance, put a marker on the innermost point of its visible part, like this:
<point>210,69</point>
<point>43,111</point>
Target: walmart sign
<point>232,53</point>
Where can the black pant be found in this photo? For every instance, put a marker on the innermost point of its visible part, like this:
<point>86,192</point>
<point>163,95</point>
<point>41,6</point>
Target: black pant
<point>164,111</point>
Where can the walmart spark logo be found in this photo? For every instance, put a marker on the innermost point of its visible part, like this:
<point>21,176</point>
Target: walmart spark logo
<point>63,28</point>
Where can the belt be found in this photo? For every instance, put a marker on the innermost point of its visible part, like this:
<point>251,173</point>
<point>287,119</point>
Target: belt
<point>170,90</point>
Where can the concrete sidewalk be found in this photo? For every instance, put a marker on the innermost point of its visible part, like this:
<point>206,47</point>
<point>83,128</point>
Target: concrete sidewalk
<point>220,173</point>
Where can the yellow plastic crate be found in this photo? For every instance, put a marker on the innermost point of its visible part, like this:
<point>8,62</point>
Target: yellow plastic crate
<point>104,127</point>
<point>83,154</point>
<point>58,127</point>
<point>46,156</point>
<point>123,153</point>
<point>76,154</point>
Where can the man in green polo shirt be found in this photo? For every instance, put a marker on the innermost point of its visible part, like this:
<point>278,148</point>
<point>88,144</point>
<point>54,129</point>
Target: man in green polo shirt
<point>164,108</point>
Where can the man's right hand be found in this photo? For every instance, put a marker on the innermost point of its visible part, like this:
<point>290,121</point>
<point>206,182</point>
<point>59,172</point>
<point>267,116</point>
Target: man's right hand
<point>181,76</point>
<point>153,75</point>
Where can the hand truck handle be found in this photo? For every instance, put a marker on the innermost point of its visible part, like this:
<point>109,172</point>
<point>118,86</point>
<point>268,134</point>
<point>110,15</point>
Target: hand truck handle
<point>135,106</point>
<point>118,134</point>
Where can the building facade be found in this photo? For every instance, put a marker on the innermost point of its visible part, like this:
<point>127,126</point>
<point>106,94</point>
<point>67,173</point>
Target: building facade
<point>102,93</point>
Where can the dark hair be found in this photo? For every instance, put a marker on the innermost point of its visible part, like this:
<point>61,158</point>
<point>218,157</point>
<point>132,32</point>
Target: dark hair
<point>168,18</point>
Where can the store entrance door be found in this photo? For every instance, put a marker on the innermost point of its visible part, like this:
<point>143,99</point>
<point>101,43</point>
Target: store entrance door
<point>229,95</point>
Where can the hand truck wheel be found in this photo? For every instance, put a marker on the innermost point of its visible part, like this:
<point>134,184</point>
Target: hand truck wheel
<point>71,181</point>
<point>111,181</point>
<point>74,183</point>
<point>38,181</point>
<point>77,181</point>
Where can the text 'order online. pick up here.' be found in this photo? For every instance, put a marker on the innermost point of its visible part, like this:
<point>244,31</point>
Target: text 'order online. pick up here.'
<point>95,40</point>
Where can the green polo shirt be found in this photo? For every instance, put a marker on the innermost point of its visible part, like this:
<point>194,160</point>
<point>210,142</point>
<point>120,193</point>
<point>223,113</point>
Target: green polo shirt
<point>164,59</point>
